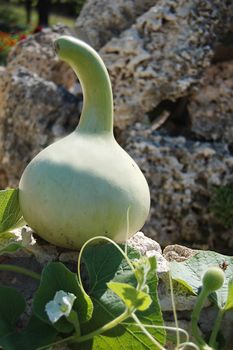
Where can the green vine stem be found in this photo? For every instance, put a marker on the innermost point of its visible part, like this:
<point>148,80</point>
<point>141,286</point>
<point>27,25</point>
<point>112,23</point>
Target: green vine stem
<point>183,346</point>
<point>145,331</point>
<point>89,336</point>
<point>22,270</point>
<point>73,319</point>
<point>99,238</point>
<point>104,328</point>
<point>195,317</point>
<point>169,328</point>
<point>216,327</point>
<point>174,310</point>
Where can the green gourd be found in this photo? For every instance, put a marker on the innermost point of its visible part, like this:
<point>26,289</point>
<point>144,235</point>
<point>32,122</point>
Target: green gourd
<point>83,185</point>
<point>213,279</point>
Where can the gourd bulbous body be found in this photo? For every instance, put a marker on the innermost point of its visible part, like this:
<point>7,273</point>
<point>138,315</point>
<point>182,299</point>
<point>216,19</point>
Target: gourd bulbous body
<point>83,185</point>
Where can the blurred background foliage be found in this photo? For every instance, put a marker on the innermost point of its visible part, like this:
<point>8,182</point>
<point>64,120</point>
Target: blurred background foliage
<point>19,18</point>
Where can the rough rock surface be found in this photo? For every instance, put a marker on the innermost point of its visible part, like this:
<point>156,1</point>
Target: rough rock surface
<point>210,107</point>
<point>149,247</point>
<point>2,71</point>
<point>178,253</point>
<point>33,113</point>
<point>161,55</point>
<point>45,252</point>
<point>182,174</point>
<point>36,53</point>
<point>100,20</point>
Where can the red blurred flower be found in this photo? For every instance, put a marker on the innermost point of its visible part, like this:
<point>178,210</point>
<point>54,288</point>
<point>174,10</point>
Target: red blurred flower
<point>22,37</point>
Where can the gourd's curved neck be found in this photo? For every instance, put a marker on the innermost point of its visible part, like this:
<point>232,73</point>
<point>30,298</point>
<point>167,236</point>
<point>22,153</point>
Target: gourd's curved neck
<point>97,112</point>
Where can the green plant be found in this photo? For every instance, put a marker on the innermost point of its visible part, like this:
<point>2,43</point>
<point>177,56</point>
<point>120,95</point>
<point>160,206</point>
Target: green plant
<point>212,280</point>
<point>207,275</point>
<point>7,41</point>
<point>82,186</point>
<point>221,205</point>
<point>9,20</point>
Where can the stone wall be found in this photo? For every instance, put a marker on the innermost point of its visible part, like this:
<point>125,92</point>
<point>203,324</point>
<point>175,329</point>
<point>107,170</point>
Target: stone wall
<point>160,56</point>
<point>182,175</point>
<point>37,54</point>
<point>210,106</point>
<point>34,113</point>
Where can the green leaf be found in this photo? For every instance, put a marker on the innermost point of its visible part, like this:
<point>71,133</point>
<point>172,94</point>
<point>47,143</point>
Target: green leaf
<point>105,264</point>
<point>133,298</point>
<point>229,302</point>
<point>142,268</point>
<point>8,243</point>
<point>56,277</point>
<point>189,273</point>
<point>36,334</point>
<point>10,213</point>
<point>221,205</point>
<point>12,304</point>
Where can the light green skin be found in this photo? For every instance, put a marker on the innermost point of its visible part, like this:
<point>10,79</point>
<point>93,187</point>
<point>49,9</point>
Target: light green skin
<point>213,279</point>
<point>82,186</point>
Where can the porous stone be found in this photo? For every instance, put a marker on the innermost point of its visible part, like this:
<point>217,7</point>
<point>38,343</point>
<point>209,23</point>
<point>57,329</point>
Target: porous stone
<point>33,113</point>
<point>210,106</point>
<point>36,53</point>
<point>148,247</point>
<point>45,252</point>
<point>178,253</point>
<point>182,175</point>
<point>2,71</point>
<point>161,55</point>
<point>100,20</point>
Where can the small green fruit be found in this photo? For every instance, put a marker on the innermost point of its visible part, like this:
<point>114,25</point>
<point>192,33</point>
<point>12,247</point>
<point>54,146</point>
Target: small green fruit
<point>213,279</point>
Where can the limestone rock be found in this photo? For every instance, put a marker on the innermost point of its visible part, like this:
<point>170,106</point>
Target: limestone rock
<point>149,247</point>
<point>2,71</point>
<point>182,175</point>
<point>36,53</point>
<point>100,20</point>
<point>178,253</point>
<point>33,113</point>
<point>210,106</point>
<point>162,55</point>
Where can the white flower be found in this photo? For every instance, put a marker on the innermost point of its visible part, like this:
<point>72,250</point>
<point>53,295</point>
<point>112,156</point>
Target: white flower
<point>60,306</point>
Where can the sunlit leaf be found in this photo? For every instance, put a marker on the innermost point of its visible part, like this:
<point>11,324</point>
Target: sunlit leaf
<point>8,243</point>
<point>229,302</point>
<point>190,273</point>
<point>133,298</point>
<point>10,213</point>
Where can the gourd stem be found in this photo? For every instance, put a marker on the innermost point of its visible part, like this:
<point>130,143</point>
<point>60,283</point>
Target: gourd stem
<point>104,328</point>
<point>97,113</point>
<point>22,270</point>
<point>196,315</point>
<point>217,323</point>
<point>143,328</point>
<point>174,310</point>
<point>89,336</point>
